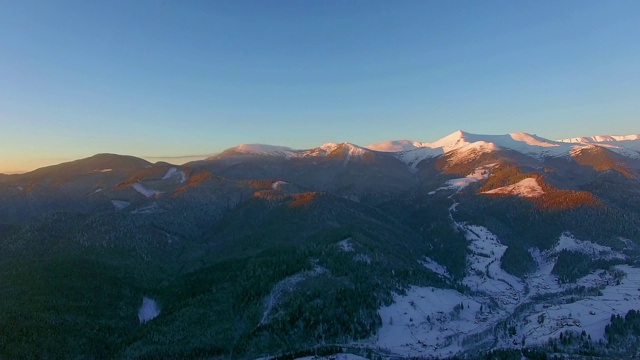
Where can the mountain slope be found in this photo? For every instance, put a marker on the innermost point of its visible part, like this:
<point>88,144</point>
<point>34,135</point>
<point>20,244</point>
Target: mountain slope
<point>264,250</point>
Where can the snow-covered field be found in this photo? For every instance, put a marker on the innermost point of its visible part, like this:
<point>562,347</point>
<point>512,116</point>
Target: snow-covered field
<point>428,320</point>
<point>570,243</point>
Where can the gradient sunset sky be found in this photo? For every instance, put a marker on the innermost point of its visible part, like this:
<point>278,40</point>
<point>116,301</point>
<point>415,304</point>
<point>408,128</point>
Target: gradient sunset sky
<point>189,78</point>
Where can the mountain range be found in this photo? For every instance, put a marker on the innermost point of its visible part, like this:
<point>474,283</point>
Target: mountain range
<point>472,244</point>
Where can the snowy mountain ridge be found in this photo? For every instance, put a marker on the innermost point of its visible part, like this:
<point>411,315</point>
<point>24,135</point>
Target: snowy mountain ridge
<point>286,152</point>
<point>601,138</point>
<point>412,152</point>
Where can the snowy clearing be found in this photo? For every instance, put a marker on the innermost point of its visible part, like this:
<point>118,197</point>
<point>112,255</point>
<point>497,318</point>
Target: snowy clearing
<point>568,242</point>
<point>435,267</point>
<point>169,173</point>
<point>144,191</point>
<point>528,187</point>
<point>120,204</point>
<point>175,173</point>
<point>148,311</point>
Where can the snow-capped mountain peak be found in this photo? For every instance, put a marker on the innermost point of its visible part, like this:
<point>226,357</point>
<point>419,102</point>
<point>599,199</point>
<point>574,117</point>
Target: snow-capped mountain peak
<point>328,148</point>
<point>453,141</point>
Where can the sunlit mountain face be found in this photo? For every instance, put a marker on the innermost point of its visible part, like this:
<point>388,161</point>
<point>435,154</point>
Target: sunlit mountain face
<point>506,245</point>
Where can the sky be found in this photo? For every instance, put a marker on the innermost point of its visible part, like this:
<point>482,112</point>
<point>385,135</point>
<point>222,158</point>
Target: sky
<point>177,80</point>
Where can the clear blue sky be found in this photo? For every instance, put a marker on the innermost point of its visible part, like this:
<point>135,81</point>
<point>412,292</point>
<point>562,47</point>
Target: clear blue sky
<point>173,78</point>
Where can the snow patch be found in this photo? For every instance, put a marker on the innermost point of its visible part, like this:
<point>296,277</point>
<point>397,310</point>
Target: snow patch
<point>363,258</point>
<point>345,245</point>
<point>278,185</point>
<point>169,173</point>
<point>528,187</point>
<point>175,173</point>
<point>144,191</point>
<point>120,204</point>
<point>148,311</point>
